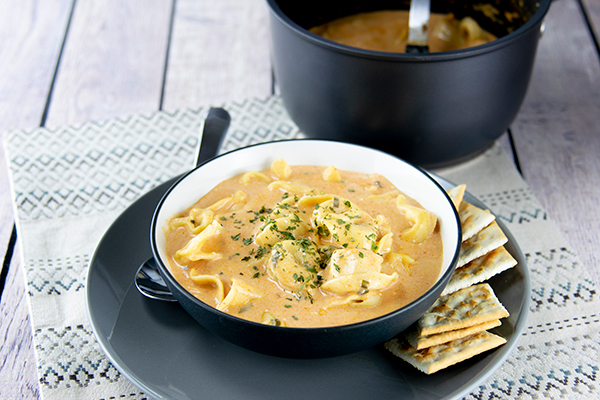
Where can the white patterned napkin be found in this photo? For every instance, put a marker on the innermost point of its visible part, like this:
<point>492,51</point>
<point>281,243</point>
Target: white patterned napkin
<point>69,184</point>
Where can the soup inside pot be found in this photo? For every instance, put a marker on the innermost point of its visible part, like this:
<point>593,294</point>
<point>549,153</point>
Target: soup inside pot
<point>388,31</point>
<point>497,17</point>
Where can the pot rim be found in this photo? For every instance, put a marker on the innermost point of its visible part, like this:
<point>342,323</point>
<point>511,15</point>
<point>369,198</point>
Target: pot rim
<point>532,23</point>
<point>168,276</point>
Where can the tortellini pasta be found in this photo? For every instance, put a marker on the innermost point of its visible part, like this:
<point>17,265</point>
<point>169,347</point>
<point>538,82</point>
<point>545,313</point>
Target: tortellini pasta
<point>314,199</point>
<point>368,299</point>
<point>284,222</point>
<point>422,221</point>
<point>269,319</point>
<point>290,187</point>
<point>195,221</point>
<point>295,264</point>
<point>331,174</point>
<point>194,249</point>
<point>406,261</point>
<point>239,294</point>
<point>340,222</point>
<point>383,198</point>
<point>253,175</point>
<point>355,271</point>
<point>198,219</point>
<point>212,281</point>
<point>281,169</point>
<point>233,202</point>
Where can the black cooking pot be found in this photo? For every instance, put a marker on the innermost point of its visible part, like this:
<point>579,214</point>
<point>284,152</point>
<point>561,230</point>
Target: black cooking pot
<point>432,109</point>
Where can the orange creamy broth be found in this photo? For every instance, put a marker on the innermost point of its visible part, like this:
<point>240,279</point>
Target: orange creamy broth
<point>243,259</point>
<point>388,31</point>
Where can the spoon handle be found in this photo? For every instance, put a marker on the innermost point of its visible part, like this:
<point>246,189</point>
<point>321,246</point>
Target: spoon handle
<point>213,132</point>
<point>418,26</point>
<point>149,282</point>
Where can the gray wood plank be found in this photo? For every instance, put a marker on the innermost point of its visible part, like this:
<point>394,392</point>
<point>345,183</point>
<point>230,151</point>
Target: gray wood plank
<point>557,131</point>
<point>592,11</point>
<point>18,372</point>
<point>31,34</point>
<point>113,61</point>
<point>219,52</point>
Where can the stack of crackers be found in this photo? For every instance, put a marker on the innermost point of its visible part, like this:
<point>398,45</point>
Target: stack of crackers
<point>456,326</point>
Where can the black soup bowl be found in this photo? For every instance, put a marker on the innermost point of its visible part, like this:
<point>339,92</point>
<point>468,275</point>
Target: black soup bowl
<point>292,342</point>
<point>430,109</point>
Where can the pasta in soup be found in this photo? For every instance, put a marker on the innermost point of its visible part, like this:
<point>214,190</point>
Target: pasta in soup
<point>305,246</point>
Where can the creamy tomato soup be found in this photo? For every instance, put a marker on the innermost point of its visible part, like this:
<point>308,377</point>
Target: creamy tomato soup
<point>388,31</point>
<point>305,246</point>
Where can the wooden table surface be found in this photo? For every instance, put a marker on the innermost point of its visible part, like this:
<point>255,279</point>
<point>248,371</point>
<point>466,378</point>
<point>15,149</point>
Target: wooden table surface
<point>70,61</point>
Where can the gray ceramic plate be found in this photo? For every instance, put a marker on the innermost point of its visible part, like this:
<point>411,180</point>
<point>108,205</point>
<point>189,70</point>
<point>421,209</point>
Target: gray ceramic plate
<point>164,352</point>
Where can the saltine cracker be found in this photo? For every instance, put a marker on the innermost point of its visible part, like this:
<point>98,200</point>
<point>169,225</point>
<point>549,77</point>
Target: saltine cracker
<point>456,195</point>
<point>473,219</point>
<point>480,269</point>
<point>435,358</point>
<point>466,307</point>
<point>486,240</point>
<point>421,342</point>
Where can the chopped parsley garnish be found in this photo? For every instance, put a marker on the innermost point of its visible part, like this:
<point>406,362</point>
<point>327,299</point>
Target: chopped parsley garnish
<point>261,252</point>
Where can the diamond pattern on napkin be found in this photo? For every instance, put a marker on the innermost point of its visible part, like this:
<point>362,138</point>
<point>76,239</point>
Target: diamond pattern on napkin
<point>57,276</point>
<point>516,205</point>
<point>258,121</point>
<point>99,166</point>
<point>72,171</point>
